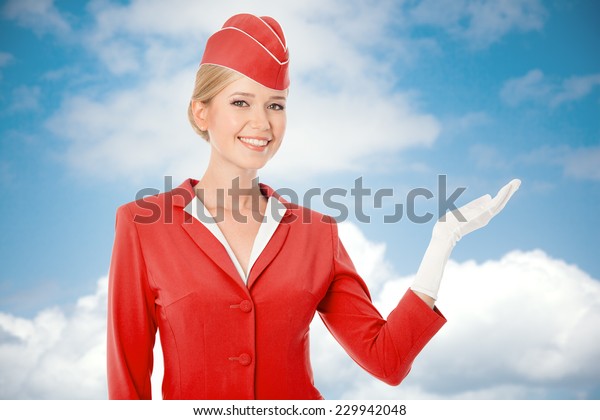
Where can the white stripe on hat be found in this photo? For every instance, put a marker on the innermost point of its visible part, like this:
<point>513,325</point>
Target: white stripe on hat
<point>255,40</point>
<point>274,33</point>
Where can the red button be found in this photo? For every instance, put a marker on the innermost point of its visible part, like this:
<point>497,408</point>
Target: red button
<point>245,359</point>
<point>245,306</point>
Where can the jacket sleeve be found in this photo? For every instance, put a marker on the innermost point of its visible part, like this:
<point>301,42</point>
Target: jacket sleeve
<point>384,348</point>
<point>131,328</point>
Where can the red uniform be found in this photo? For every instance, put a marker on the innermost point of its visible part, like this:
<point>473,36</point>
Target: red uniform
<point>222,339</point>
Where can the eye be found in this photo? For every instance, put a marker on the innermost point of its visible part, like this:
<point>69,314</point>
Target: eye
<point>239,103</point>
<point>276,107</point>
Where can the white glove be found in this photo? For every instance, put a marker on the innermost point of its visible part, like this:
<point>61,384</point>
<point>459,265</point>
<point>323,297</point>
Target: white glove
<point>450,228</point>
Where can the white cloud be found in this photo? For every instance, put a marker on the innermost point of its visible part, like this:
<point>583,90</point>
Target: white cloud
<point>578,163</point>
<point>132,133</point>
<point>456,126</point>
<point>59,354</point>
<point>5,58</point>
<point>353,127</point>
<point>25,98</point>
<point>581,163</point>
<point>41,16</point>
<point>524,326</point>
<point>472,119</point>
<point>322,35</point>
<point>487,157</point>
<point>7,173</point>
<point>575,88</point>
<point>480,23</point>
<point>529,87</point>
<point>538,88</point>
<point>340,95</point>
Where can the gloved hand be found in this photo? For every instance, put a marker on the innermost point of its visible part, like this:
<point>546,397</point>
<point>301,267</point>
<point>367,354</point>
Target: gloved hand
<point>450,228</point>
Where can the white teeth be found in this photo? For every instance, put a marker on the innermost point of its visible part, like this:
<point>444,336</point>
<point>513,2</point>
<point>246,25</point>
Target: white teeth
<point>254,142</point>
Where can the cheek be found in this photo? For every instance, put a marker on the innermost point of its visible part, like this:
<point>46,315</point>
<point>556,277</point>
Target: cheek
<point>279,125</point>
<point>226,122</point>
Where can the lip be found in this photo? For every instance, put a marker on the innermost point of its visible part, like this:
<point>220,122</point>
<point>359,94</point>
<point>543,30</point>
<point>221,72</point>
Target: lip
<point>254,139</point>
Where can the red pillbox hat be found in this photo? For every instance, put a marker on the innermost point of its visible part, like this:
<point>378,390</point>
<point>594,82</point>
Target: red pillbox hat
<point>251,45</point>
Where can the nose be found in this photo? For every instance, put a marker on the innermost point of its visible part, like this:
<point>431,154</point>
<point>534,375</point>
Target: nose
<point>260,119</point>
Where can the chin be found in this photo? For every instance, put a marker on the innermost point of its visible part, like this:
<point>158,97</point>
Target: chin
<point>255,164</point>
<point>259,166</point>
<point>252,166</point>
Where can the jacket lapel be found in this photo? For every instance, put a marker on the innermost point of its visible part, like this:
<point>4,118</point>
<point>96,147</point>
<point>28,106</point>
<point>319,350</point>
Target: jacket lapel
<point>277,240</point>
<point>269,253</point>
<point>214,249</point>
<point>204,239</point>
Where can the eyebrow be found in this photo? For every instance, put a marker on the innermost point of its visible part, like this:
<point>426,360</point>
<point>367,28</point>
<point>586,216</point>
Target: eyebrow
<point>251,95</point>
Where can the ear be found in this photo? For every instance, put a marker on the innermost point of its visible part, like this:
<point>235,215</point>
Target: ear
<point>200,113</point>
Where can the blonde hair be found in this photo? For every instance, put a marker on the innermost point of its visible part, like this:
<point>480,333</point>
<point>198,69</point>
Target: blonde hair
<point>210,80</point>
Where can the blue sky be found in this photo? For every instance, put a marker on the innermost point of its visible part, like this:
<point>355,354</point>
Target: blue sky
<point>93,99</point>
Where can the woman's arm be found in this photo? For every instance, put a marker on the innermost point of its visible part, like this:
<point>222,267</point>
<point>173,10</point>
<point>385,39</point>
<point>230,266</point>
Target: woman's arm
<point>131,318</point>
<point>386,348</point>
<point>427,299</point>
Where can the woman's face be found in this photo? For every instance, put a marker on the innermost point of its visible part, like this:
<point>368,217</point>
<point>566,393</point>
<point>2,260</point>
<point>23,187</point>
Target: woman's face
<point>246,122</point>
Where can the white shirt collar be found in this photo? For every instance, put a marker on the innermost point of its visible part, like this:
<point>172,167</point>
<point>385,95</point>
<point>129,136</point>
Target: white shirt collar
<point>273,214</point>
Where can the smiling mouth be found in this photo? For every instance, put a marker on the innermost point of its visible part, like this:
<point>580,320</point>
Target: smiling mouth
<point>254,141</point>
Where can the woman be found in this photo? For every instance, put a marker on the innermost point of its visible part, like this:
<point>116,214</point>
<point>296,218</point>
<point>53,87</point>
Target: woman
<point>232,275</point>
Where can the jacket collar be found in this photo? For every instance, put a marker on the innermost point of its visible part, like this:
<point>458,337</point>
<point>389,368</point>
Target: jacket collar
<point>184,193</point>
<point>212,247</point>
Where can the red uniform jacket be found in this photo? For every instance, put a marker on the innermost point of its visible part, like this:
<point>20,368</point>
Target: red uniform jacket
<point>222,339</point>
